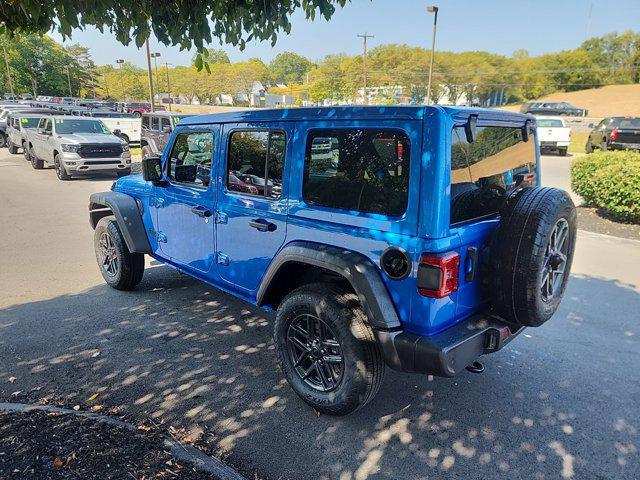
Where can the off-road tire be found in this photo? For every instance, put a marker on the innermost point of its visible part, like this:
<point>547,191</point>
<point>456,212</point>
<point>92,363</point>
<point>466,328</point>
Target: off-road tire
<point>3,140</point>
<point>12,148</point>
<point>61,172</point>
<point>130,266</point>
<point>36,163</point>
<point>362,367</point>
<point>519,253</point>
<point>25,152</point>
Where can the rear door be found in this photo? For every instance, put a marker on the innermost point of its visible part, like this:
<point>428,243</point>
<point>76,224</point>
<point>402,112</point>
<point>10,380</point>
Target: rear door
<point>251,216</point>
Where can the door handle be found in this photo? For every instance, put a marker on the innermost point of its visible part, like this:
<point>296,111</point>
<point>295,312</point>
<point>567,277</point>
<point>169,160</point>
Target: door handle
<point>201,211</point>
<point>262,225</point>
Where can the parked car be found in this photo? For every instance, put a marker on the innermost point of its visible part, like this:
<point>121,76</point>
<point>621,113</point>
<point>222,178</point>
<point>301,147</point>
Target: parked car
<point>5,110</point>
<point>422,248</point>
<point>124,125</point>
<point>137,108</point>
<point>615,133</point>
<point>553,135</point>
<point>18,123</point>
<point>77,145</point>
<point>156,129</point>
<point>553,108</point>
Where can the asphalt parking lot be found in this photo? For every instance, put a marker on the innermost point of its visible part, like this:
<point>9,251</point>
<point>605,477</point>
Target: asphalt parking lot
<point>560,402</point>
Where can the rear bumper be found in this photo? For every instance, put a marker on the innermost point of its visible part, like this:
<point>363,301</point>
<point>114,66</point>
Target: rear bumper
<point>624,146</point>
<point>553,144</point>
<point>447,353</point>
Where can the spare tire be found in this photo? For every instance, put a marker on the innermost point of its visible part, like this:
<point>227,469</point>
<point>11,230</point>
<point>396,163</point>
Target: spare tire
<point>531,255</point>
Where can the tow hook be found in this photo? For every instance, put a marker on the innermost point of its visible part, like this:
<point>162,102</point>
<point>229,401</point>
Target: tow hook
<point>476,367</point>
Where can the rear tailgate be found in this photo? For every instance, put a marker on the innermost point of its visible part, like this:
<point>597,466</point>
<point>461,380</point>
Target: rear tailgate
<point>628,136</point>
<point>554,135</point>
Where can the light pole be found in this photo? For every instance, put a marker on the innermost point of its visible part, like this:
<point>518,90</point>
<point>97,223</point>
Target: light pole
<point>434,10</point>
<point>155,56</point>
<point>364,37</point>
<point>120,61</point>
<point>146,45</point>
<point>166,65</point>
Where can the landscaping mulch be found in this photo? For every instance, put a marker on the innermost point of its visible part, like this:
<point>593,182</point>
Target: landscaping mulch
<point>592,220</point>
<point>42,445</point>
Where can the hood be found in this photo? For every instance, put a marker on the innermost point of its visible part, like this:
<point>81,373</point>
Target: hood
<point>89,138</point>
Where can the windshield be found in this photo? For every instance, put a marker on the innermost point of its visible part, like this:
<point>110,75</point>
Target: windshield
<point>549,122</point>
<point>29,122</point>
<point>80,126</point>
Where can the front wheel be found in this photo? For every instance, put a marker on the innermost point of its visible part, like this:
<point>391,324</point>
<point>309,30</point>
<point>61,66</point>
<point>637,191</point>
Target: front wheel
<point>3,140</point>
<point>326,349</point>
<point>61,172</point>
<point>12,148</point>
<point>120,268</point>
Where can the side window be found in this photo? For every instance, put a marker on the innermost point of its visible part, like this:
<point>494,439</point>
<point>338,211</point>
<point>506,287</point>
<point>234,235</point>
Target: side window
<point>48,126</point>
<point>255,163</point>
<point>155,123</point>
<point>363,170</point>
<point>145,122</point>
<point>165,122</point>
<point>484,173</point>
<point>190,160</point>
<point>42,123</point>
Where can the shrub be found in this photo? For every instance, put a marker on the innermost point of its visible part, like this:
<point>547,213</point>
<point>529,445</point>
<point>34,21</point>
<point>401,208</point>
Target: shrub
<point>609,181</point>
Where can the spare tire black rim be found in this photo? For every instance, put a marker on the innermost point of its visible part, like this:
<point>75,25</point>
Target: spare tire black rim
<point>555,261</point>
<point>108,255</point>
<point>315,353</point>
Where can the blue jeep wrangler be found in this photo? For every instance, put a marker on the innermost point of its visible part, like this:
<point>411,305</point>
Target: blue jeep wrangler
<point>413,236</point>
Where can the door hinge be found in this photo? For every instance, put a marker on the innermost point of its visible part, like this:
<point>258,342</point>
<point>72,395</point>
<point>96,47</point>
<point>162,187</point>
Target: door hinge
<point>222,259</point>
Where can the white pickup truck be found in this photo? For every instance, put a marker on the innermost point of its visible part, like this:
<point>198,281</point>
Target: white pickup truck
<point>553,134</point>
<point>124,125</point>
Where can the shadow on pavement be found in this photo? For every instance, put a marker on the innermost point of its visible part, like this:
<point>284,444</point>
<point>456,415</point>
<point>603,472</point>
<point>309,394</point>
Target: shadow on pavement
<point>559,402</point>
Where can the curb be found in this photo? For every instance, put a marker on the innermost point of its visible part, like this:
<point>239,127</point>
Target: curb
<point>587,233</point>
<point>185,453</point>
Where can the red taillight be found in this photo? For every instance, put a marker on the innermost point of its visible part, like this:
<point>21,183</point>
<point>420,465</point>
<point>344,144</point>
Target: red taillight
<point>614,134</point>
<point>438,274</point>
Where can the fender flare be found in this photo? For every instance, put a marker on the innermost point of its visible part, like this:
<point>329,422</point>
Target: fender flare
<point>125,209</point>
<point>357,269</point>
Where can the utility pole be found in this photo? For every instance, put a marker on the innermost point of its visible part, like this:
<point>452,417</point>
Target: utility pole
<point>364,37</point>
<point>433,10</point>
<point>155,56</point>
<point>6,62</point>
<point>69,82</point>
<point>166,65</point>
<point>146,45</point>
<point>120,61</point>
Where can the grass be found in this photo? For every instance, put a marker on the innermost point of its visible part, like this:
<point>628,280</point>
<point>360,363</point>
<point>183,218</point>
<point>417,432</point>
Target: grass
<point>578,141</point>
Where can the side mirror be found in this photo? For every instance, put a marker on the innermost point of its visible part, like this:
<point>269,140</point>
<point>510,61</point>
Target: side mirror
<point>166,129</point>
<point>152,169</point>
<point>526,131</point>
<point>470,128</point>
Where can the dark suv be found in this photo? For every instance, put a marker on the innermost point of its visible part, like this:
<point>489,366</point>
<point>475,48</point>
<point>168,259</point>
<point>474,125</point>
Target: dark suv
<point>553,108</point>
<point>156,130</point>
<point>415,237</point>
<point>615,133</point>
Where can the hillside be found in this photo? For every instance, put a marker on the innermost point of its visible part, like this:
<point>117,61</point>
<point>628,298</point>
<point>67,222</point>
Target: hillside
<point>601,102</point>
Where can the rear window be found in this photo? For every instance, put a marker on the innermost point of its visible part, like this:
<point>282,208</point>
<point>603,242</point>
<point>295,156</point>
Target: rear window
<point>484,172</point>
<point>362,170</point>
<point>549,122</point>
<point>628,123</point>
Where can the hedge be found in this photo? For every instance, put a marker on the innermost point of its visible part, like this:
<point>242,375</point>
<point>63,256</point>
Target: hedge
<point>609,181</point>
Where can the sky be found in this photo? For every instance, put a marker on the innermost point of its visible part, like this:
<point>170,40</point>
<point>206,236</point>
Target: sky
<point>496,26</point>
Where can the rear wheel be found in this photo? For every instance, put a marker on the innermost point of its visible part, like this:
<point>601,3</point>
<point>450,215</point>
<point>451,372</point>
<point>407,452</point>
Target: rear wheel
<point>61,172</point>
<point>563,151</point>
<point>588,147</point>
<point>327,350</point>
<point>120,268</point>
<point>12,148</point>
<point>36,163</point>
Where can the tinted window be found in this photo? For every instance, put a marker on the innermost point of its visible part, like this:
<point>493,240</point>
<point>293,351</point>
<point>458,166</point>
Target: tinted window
<point>256,162</point>
<point>155,123</point>
<point>145,122</point>
<point>48,127</point>
<point>165,122</point>
<point>29,122</point>
<point>190,160</point>
<point>628,123</point>
<point>549,122</point>
<point>484,172</point>
<point>357,169</point>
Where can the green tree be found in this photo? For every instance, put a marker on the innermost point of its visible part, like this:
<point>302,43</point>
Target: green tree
<point>211,56</point>
<point>289,67</point>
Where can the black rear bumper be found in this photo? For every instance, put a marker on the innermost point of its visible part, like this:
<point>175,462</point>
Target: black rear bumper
<point>447,353</point>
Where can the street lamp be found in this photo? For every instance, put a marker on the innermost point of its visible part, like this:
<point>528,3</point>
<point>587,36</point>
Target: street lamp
<point>434,10</point>
<point>120,61</point>
<point>155,56</point>
<point>166,65</point>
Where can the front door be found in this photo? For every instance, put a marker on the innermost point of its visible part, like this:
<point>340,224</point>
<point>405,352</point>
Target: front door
<point>252,208</point>
<point>185,205</point>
